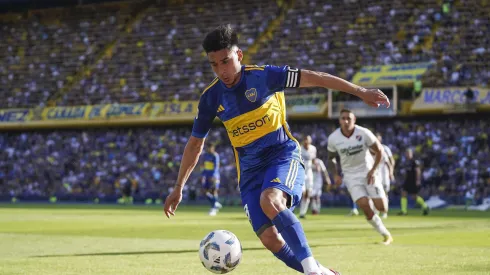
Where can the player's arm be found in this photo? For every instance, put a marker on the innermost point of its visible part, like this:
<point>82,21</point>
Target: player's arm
<point>375,147</point>
<point>190,158</point>
<point>333,166</point>
<point>378,150</point>
<point>193,149</point>
<point>372,97</point>
<point>217,162</point>
<point>418,173</point>
<point>391,160</point>
<point>325,174</point>
<point>280,78</point>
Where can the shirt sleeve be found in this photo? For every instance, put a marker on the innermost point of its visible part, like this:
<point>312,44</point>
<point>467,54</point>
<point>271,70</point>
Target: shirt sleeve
<point>331,146</point>
<point>206,113</point>
<point>280,78</point>
<point>388,151</point>
<point>369,136</point>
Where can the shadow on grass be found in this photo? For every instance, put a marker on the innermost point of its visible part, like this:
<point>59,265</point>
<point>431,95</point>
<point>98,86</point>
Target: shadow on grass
<point>183,251</point>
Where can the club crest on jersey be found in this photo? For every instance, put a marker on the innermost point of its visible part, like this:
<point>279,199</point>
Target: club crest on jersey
<point>359,137</point>
<point>251,94</point>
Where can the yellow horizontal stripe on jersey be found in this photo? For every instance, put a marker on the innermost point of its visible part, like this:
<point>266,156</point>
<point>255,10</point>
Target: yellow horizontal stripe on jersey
<point>210,85</point>
<point>282,102</point>
<point>249,127</point>
<point>208,165</point>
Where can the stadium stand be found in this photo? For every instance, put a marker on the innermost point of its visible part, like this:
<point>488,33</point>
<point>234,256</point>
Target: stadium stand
<point>162,58</point>
<point>99,163</point>
<point>42,50</point>
<point>116,53</point>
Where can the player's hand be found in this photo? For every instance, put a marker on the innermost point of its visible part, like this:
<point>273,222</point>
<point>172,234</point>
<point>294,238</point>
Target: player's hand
<point>338,180</point>
<point>370,177</point>
<point>172,202</point>
<point>374,97</point>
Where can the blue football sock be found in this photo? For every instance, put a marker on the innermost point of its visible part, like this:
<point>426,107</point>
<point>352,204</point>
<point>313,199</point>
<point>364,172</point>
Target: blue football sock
<point>291,230</point>
<point>215,200</point>
<point>354,205</point>
<point>287,256</point>
<point>211,199</point>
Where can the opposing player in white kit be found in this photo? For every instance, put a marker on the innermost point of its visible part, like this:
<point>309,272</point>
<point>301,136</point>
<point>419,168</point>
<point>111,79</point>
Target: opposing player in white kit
<point>308,153</point>
<point>386,169</point>
<point>353,144</point>
<point>320,177</point>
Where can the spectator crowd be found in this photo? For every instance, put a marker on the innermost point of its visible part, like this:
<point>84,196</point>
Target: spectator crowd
<point>104,54</point>
<point>102,163</point>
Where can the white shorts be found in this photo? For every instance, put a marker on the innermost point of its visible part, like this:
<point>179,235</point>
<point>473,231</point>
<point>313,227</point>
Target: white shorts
<point>308,186</point>
<point>385,181</point>
<point>358,187</point>
<point>317,188</point>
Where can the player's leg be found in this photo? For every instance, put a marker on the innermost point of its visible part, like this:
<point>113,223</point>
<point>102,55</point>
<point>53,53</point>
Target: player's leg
<point>217,204</point>
<point>403,202</point>
<point>315,203</point>
<point>386,188</point>
<point>305,201</point>
<point>206,187</point>
<point>277,201</point>
<point>360,194</point>
<point>266,231</point>
<point>420,201</point>
<point>354,211</point>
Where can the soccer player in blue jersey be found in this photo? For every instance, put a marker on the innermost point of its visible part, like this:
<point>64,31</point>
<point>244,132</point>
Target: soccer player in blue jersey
<point>210,178</point>
<point>249,100</point>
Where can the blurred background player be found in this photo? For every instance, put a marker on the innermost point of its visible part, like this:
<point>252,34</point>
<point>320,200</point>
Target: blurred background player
<point>308,153</point>
<point>320,177</point>
<point>210,178</point>
<point>386,168</point>
<point>353,144</point>
<point>412,184</point>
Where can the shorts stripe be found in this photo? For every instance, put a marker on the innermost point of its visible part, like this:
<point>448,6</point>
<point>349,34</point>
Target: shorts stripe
<point>291,166</point>
<point>294,174</point>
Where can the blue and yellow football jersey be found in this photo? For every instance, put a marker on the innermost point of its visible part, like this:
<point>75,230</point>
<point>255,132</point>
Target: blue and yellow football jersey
<point>211,165</point>
<point>254,115</point>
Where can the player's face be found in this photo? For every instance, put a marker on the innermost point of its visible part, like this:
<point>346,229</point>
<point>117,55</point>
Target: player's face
<point>347,121</point>
<point>409,154</point>
<point>307,141</point>
<point>379,137</point>
<point>226,65</point>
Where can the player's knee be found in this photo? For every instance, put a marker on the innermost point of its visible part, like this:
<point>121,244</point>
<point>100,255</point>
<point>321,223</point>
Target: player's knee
<point>272,240</point>
<point>380,204</point>
<point>272,202</point>
<point>363,203</point>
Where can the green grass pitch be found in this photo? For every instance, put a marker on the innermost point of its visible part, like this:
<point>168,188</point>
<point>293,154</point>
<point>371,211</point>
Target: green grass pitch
<point>120,240</point>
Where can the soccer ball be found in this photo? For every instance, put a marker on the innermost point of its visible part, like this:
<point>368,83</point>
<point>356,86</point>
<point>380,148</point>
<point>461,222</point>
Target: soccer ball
<point>220,251</point>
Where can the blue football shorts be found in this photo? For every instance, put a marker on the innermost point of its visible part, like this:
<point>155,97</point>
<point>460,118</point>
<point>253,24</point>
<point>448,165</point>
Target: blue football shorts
<point>210,183</point>
<point>287,175</point>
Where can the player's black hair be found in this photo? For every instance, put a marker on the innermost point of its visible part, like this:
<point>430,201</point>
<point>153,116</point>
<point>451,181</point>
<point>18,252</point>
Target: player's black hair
<point>345,111</point>
<point>223,37</point>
